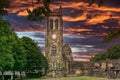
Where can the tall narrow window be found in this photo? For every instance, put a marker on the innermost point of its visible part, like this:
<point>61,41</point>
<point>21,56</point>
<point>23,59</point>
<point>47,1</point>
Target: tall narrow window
<point>51,24</point>
<point>56,24</point>
<point>53,51</point>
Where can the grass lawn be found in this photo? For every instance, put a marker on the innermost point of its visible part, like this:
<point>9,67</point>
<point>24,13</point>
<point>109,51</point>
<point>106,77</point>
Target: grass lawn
<point>72,78</point>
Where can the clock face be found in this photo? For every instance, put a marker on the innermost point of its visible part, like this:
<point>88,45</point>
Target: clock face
<point>54,36</point>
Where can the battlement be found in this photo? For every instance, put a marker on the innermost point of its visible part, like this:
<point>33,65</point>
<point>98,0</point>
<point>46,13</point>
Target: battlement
<point>57,13</point>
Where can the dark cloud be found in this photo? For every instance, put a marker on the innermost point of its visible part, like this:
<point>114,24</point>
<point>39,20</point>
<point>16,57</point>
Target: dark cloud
<point>84,27</point>
<point>112,3</point>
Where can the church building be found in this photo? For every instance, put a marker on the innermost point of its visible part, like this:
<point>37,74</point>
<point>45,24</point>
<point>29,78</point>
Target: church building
<point>58,62</point>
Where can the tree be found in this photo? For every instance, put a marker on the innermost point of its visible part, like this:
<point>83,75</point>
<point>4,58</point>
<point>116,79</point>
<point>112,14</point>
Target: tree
<point>40,12</point>
<point>100,2</point>
<point>115,33</point>
<point>3,4</point>
<point>36,62</point>
<point>19,56</point>
<point>6,39</point>
<point>112,53</point>
<point>99,57</point>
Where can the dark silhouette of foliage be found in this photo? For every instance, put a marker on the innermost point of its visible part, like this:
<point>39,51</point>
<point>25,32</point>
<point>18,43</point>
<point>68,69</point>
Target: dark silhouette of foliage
<point>100,2</point>
<point>3,4</point>
<point>115,33</point>
<point>112,53</point>
<point>40,12</point>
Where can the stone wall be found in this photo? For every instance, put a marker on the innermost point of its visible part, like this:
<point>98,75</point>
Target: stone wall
<point>107,68</point>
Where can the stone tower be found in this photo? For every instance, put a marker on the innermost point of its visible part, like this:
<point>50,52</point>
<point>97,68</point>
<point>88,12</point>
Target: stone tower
<point>54,43</point>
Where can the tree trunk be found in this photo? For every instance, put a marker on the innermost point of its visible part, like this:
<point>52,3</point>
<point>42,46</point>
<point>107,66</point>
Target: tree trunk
<point>2,75</point>
<point>13,75</point>
<point>20,75</point>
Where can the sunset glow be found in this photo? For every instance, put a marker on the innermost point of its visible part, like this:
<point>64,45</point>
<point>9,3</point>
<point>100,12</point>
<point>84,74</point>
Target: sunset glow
<point>84,27</point>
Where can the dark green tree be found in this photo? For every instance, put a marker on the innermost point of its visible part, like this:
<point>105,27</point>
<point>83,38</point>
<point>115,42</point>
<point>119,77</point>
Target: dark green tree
<point>112,53</point>
<point>99,57</point>
<point>40,12</point>
<point>36,62</point>
<point>6,40</point>
<point>3,4</point>
<point>19,56</point>
<point>99,2</point>
<point>115,33</point>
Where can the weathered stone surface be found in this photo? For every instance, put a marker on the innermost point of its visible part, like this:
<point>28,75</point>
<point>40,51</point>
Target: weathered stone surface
<point>58,55</point>
<point>107,68</point>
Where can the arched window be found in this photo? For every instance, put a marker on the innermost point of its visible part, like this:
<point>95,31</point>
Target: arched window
<point>54,64</point>
<point>53,51</point>
<point>56,24</point>
<point>51,24</point>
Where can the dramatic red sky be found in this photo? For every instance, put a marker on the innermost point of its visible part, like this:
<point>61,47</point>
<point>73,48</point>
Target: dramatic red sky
<point>84,27</point>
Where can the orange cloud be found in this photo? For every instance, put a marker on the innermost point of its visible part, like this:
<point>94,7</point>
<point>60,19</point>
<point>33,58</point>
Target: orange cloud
<point>75,5</point>
<point>104,27</point>
<point>95,19</point>
<point>78,5</point>
<point>78,18</point>
<point>100,18</point>
<point>24,13</point>
<point>77,30</point>
<point>108,9</point>
<point>20,6</point>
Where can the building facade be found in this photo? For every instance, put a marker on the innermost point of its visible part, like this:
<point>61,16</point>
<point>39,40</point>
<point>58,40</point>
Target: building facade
<point>67,57</point>
<point>54,43</point>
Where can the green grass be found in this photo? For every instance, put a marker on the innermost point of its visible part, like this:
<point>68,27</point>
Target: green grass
<point>72,78</point>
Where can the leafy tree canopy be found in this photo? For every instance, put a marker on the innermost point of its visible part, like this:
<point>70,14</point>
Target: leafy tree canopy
<point>112,53</point>
<point>39,12</point>
<point>6,39</point>
<point>35,59</point>
<point>115,33</point>
<point>3,4</point>
<point>99,2</point>
<point>19,55</point>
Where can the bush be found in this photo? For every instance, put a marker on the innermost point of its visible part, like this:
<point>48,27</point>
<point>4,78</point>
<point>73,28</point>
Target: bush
<point>34,75</point>
<point>6,77</point>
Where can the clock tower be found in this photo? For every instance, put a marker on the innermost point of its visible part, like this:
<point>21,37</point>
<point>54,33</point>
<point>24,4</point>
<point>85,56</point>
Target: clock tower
<point>54,43</point>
